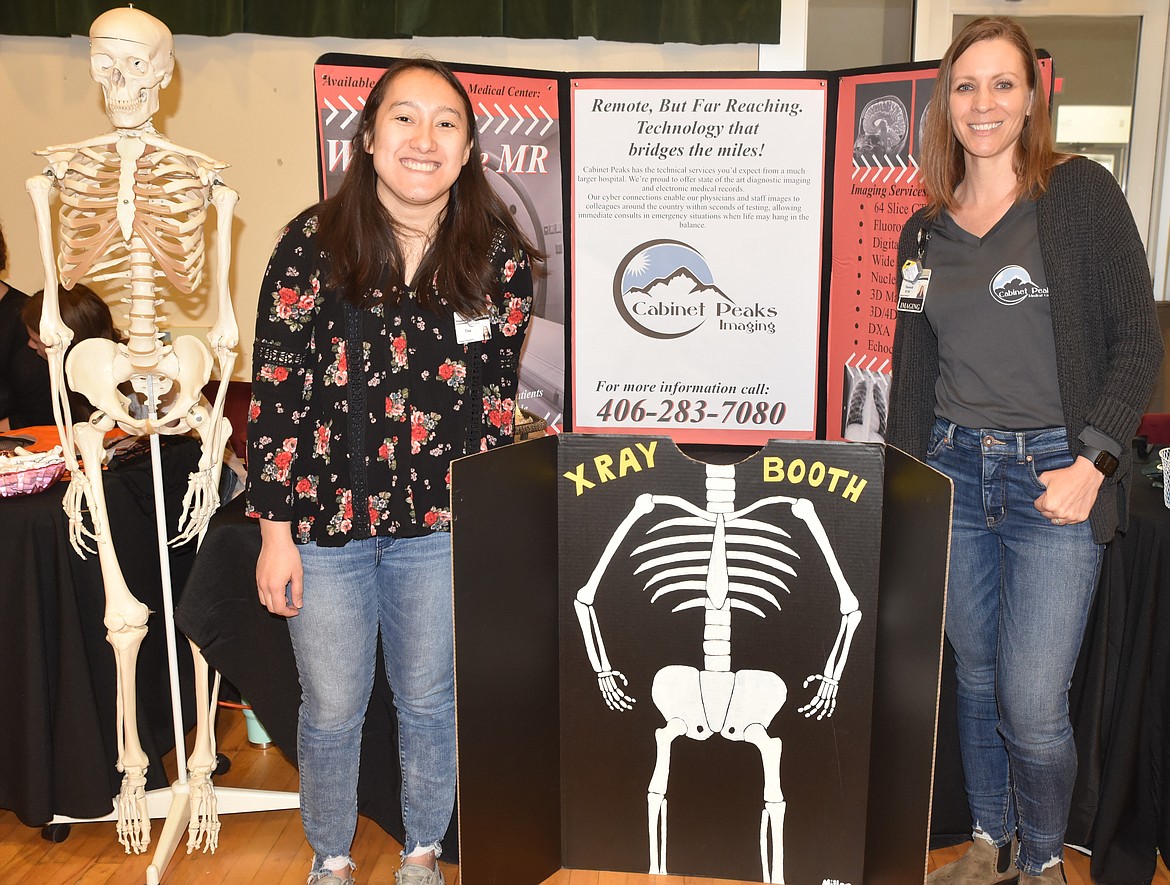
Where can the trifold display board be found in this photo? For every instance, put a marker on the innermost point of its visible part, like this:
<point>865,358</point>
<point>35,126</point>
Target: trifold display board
<point>710,670</point>
<point>721,247</point>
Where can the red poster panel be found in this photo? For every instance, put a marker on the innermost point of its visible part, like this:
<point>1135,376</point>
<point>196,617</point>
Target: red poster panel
<point>877,186</point>
<point>519,133</point>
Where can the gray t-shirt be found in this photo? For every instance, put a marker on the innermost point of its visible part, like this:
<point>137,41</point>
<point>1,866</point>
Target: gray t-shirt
<point>988,304</point>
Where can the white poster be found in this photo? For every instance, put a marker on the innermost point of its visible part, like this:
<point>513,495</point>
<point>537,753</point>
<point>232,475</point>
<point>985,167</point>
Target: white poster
<point>697,208</point>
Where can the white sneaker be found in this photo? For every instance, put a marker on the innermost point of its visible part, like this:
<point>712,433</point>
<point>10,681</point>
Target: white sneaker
<point>416,874</point>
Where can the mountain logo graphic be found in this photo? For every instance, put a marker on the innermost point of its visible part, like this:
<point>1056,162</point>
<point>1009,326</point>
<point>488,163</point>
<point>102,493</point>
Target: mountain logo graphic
<point>664,289</point>
<point>1013,284</point>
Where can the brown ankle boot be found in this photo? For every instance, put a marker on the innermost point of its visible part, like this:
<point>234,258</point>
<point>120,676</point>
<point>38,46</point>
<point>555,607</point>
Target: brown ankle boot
<point>1054,873</point>
<point>983,864</point>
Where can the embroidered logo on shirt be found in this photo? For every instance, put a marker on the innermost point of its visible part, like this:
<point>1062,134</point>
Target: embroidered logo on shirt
<point>1013,284</point>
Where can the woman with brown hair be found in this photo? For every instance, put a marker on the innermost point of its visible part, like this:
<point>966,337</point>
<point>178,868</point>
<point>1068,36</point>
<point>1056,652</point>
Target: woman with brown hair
<point>387,344</point>
<point>87,316</point>
<point>1021,371</point>
<point>25,399</point>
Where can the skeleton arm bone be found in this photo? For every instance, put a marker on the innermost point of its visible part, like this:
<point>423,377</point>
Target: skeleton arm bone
<point>607,677</point>
<point>824,703</point>
<point>202,497</point>
<point>224,335</point>
<point>53,331</point>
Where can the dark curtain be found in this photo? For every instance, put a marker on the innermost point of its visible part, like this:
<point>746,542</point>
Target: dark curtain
<point>641,21</point>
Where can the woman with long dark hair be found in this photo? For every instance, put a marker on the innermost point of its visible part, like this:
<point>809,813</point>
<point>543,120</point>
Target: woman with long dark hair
<point>387,344</point>
<point>1025,352</point>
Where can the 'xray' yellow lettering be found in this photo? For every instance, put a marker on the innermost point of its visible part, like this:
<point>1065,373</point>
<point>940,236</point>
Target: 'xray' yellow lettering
<point>603,466</point>
<point>816,474</point>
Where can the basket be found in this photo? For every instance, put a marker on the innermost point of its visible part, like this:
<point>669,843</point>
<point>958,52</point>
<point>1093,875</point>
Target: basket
<point>31,481</point>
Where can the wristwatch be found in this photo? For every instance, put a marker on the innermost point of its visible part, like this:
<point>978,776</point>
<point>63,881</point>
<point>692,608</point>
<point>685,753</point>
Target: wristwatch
<point>1104,461</point>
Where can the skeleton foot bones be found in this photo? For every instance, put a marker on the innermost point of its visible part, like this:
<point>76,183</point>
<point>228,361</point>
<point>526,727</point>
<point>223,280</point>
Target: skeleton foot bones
<point>133,818</point>
<point>203,830</point>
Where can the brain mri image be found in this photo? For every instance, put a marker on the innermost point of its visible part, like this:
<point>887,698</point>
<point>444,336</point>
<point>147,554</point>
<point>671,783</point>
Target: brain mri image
<point>882,129</point>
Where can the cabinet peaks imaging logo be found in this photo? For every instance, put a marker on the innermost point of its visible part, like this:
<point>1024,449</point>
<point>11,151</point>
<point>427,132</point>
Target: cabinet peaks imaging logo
<point>1013,284</point>
<point>664,289</point>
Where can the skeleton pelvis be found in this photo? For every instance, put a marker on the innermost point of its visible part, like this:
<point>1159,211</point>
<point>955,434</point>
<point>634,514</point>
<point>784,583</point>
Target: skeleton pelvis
<point>101,371</point>
<point>722,703</point>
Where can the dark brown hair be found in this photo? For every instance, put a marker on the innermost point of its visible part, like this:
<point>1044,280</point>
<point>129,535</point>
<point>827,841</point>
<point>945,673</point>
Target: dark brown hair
<point>358,232</point>
<point>82,310</point>
<point>3,251</point>
<point>943,161</point>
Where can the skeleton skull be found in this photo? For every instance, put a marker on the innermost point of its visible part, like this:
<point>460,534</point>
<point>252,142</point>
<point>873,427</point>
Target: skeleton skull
<point>132,56</point>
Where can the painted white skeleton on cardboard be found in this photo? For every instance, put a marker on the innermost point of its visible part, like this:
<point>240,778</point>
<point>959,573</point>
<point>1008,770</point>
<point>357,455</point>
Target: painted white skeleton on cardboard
<point>133,209</point>
<point>741,558</point>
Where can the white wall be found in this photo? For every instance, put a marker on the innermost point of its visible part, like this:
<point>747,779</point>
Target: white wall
<point>248,100</point>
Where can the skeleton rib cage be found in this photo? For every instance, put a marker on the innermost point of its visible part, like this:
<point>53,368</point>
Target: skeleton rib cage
<point>169,211</point>
<point>731,557</point>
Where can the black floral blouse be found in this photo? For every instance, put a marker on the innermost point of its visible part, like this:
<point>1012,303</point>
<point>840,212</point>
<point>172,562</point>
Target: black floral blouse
<point>371,405</point>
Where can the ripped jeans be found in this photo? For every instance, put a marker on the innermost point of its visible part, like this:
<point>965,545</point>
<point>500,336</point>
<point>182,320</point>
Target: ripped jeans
<point>1018,600</point>
<point>403,587</point>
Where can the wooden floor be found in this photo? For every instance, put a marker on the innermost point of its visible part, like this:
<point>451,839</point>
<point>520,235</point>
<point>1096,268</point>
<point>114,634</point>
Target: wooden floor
<point>269,847</point>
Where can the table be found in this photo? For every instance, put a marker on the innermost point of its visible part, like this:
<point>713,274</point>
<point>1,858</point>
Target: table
<point>58,743</point>
<point>1120,708</point>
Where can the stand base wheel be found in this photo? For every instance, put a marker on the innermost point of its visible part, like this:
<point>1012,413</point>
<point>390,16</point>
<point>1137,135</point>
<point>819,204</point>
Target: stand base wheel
<point>55,832</point>
<point>222,765</point>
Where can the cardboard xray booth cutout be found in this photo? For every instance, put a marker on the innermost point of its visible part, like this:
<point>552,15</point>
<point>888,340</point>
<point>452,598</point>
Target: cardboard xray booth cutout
<point>725,671</point>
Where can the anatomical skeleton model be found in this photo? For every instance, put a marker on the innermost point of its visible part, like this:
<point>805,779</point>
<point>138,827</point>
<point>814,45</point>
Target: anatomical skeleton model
<point>133,210</point>
<point>739,561</point>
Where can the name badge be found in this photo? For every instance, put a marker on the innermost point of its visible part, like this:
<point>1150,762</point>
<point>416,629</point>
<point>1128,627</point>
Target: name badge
<point>912,294</point>
<point>473,329</point>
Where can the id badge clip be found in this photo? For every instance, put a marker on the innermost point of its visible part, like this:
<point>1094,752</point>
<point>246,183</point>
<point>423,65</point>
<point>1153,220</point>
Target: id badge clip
<point>470,330</point>
<point>912,294</point>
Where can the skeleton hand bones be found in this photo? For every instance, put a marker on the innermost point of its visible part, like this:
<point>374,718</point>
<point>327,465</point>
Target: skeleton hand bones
<point>824,702</point>
<point>615,698</point>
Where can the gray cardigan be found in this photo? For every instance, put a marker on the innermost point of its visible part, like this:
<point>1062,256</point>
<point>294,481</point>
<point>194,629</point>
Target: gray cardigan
<point>1108,347</point>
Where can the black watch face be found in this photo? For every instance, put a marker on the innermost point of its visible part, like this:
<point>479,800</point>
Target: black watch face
<point>1106,463</point>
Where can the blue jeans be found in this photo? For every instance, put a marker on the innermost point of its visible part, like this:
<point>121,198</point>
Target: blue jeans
<point>1017,601</point>
<point>403,587</point>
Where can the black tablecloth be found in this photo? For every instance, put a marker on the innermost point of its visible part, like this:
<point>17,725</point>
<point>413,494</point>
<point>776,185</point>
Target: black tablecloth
<point>58,743</point>
<point>1120,707</point>
<point>221,613</point>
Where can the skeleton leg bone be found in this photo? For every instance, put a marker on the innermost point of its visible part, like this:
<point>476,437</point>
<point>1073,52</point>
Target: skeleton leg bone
<point>656,794</point>
<point>203,829</point>
<point>125,620</point>
<point>772,817</point>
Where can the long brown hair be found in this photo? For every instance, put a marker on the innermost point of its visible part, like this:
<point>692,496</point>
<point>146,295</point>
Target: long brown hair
<point>358,232</point>
<point>82,310</point>
<point>943,161</point>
